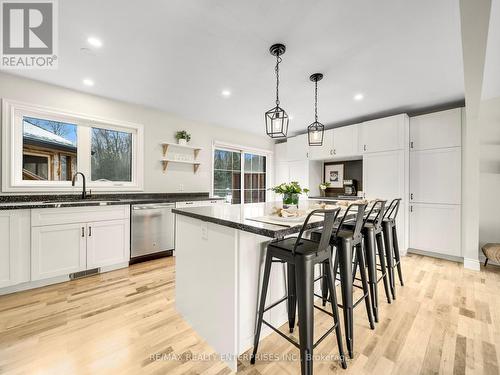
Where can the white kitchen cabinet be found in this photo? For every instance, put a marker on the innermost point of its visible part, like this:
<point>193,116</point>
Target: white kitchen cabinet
<point>107,243</point>
<point>57,250</point>
<point>280,152</point>
<point>15,247</point>
<point>187,204</point>
<point>436,130</point>
<point>281,173</point>
<point>385,134</point>
<point>299,171</point>
<point>435,228</point>
<point>435,176</point>
<point>325,151</point>
<point>345,141</point>
<point>297,148</point>
<point>383,175</point>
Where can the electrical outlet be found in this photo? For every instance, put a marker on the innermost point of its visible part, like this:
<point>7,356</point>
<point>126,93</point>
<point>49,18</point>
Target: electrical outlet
<point>181,187</point>
<point>204,230</point>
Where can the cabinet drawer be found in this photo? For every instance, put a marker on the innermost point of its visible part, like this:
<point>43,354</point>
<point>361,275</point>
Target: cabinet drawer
<point>186,204</point>
<point>67,215</point>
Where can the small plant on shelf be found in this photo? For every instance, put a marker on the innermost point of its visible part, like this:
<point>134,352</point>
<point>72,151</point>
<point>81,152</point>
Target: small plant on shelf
<point>323,187</point>
<point>183,137</point>
<point>290,192</point>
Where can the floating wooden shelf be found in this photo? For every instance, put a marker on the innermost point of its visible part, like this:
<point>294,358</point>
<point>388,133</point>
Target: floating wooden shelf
<point>166,145</point>
<point>194,163</point>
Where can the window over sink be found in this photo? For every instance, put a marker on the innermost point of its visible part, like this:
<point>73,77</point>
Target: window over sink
<point>43,148</point>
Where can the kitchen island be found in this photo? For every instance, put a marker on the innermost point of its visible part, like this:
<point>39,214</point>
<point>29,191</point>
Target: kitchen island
<point>219,259</point>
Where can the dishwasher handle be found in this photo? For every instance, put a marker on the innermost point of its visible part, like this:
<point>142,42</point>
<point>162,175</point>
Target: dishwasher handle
<point>158,206</point>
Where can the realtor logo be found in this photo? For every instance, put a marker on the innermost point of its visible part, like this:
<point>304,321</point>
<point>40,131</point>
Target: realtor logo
<point>29,39</point>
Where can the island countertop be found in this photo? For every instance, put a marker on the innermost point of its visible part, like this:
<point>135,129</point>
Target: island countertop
<point>239,216</point>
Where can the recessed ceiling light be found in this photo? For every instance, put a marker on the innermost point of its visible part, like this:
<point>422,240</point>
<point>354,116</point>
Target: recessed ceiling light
<point>359,97</point>
<point>88,82</point>
<point>94,42</point>
<point>225,93</point>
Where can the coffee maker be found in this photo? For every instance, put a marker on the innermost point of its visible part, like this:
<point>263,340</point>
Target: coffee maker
<point>350,187</point>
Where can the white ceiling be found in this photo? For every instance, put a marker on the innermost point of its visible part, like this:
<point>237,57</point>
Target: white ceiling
<point>491,80</point>
<point>178,55</point>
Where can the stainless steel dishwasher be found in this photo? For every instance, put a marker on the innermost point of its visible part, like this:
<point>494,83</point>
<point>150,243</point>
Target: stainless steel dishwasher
<point>153,229</point>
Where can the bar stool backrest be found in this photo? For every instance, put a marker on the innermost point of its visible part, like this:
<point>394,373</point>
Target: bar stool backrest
<point>359,208</point>
<point>380,206</point>
<point>329,221</point>
<point>392,210</point>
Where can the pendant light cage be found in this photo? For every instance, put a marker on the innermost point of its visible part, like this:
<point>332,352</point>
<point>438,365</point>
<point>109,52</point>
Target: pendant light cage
<point>276,118</point>
<point>316,131</point>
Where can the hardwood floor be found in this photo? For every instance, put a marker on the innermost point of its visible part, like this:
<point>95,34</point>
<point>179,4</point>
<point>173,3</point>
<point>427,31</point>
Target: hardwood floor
<point>445,320</point>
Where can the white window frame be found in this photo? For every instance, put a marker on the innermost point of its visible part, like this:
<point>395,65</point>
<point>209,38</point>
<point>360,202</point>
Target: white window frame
<point>12,146</point>
<point>219,145</point>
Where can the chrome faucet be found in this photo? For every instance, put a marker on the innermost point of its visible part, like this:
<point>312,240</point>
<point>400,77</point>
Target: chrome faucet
<point>84,192</point>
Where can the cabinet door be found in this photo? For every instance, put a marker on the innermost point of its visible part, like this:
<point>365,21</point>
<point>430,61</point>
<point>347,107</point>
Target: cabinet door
<point>385,134</point>
<point>299,171</point>
<point>57,250</point>
<point>281,173</point>
<point>435,228</point>
<point>15,247</point>
<point>436,130</point>
<point>280,152</point>
<point>345,141</point>
<point>107,243</point>
<point>435,176</point>
<point>383,175</point>
<point>324,151</point>
<point>297,148</point>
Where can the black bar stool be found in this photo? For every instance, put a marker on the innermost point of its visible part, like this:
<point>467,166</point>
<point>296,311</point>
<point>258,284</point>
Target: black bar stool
<point>303,254</point>
<point>372,237</point>
<point>347,242</point>
<point>391,244</point>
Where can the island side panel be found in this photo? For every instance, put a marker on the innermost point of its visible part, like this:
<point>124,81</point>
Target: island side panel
<point>206,283</point>
<point>252,250</point>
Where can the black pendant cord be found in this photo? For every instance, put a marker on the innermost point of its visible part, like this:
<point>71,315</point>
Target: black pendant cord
<point>277,70</point>
<point>316,101</point>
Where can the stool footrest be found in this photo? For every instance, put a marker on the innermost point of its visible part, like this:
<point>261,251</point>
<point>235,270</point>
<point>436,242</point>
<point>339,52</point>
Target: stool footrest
<point>276,303</point>
<point>293,342</point>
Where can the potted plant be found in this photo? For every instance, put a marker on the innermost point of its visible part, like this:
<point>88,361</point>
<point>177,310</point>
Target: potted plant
<point>183,137</point>
<point>323,187</point>
<point>290,192</point>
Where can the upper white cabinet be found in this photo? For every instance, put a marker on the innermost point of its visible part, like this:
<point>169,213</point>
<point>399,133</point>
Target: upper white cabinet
<point>14,247</point>
<point>280,152</point>
<point>298,148</point>
<point>385,134</point>
<point>346,141</point>
<point>435,176</point>
<point>436,130</point>
<point>325,151</point>
<point>383,175</point>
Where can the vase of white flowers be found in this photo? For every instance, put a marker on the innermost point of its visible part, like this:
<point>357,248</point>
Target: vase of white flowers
<point>290,193</point>
<point>323,187</point>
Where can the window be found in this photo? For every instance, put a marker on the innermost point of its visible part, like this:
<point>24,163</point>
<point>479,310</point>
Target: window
<point>232,177</point>
<point>43,148</point>
<point>111,155</point>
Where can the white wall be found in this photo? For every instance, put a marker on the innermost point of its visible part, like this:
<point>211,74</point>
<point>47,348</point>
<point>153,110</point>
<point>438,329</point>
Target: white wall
<point>158,126</point>
<point>489,208</point>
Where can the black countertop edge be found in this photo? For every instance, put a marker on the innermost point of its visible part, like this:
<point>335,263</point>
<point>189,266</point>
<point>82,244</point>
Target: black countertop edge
<point>97,200</point>
<point>271,233</point>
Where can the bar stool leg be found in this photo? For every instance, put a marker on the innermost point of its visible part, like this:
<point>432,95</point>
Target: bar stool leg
<point>389,256</point>
<point>335,311</point>
<point>396,254</point>
<point>381,255</point>
<point>262,305</point>
<point>344,256</point>
<point>364,282</point>
<point>305,299</point>
<point>372,270</point>
<point>324,284</point>
<point>292,296</point>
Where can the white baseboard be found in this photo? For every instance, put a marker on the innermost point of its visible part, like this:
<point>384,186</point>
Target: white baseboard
<point>472,264</point>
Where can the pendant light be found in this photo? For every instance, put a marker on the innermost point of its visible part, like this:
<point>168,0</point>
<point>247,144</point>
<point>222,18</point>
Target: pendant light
<point>276,118</point>
<point>316,130</point>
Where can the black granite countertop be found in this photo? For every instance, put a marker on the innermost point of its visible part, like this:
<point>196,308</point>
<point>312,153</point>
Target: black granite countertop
<point>13,202</point>
<point>238,216</point>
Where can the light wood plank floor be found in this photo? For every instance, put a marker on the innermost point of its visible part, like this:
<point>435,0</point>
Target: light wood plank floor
<point>445,320</point>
